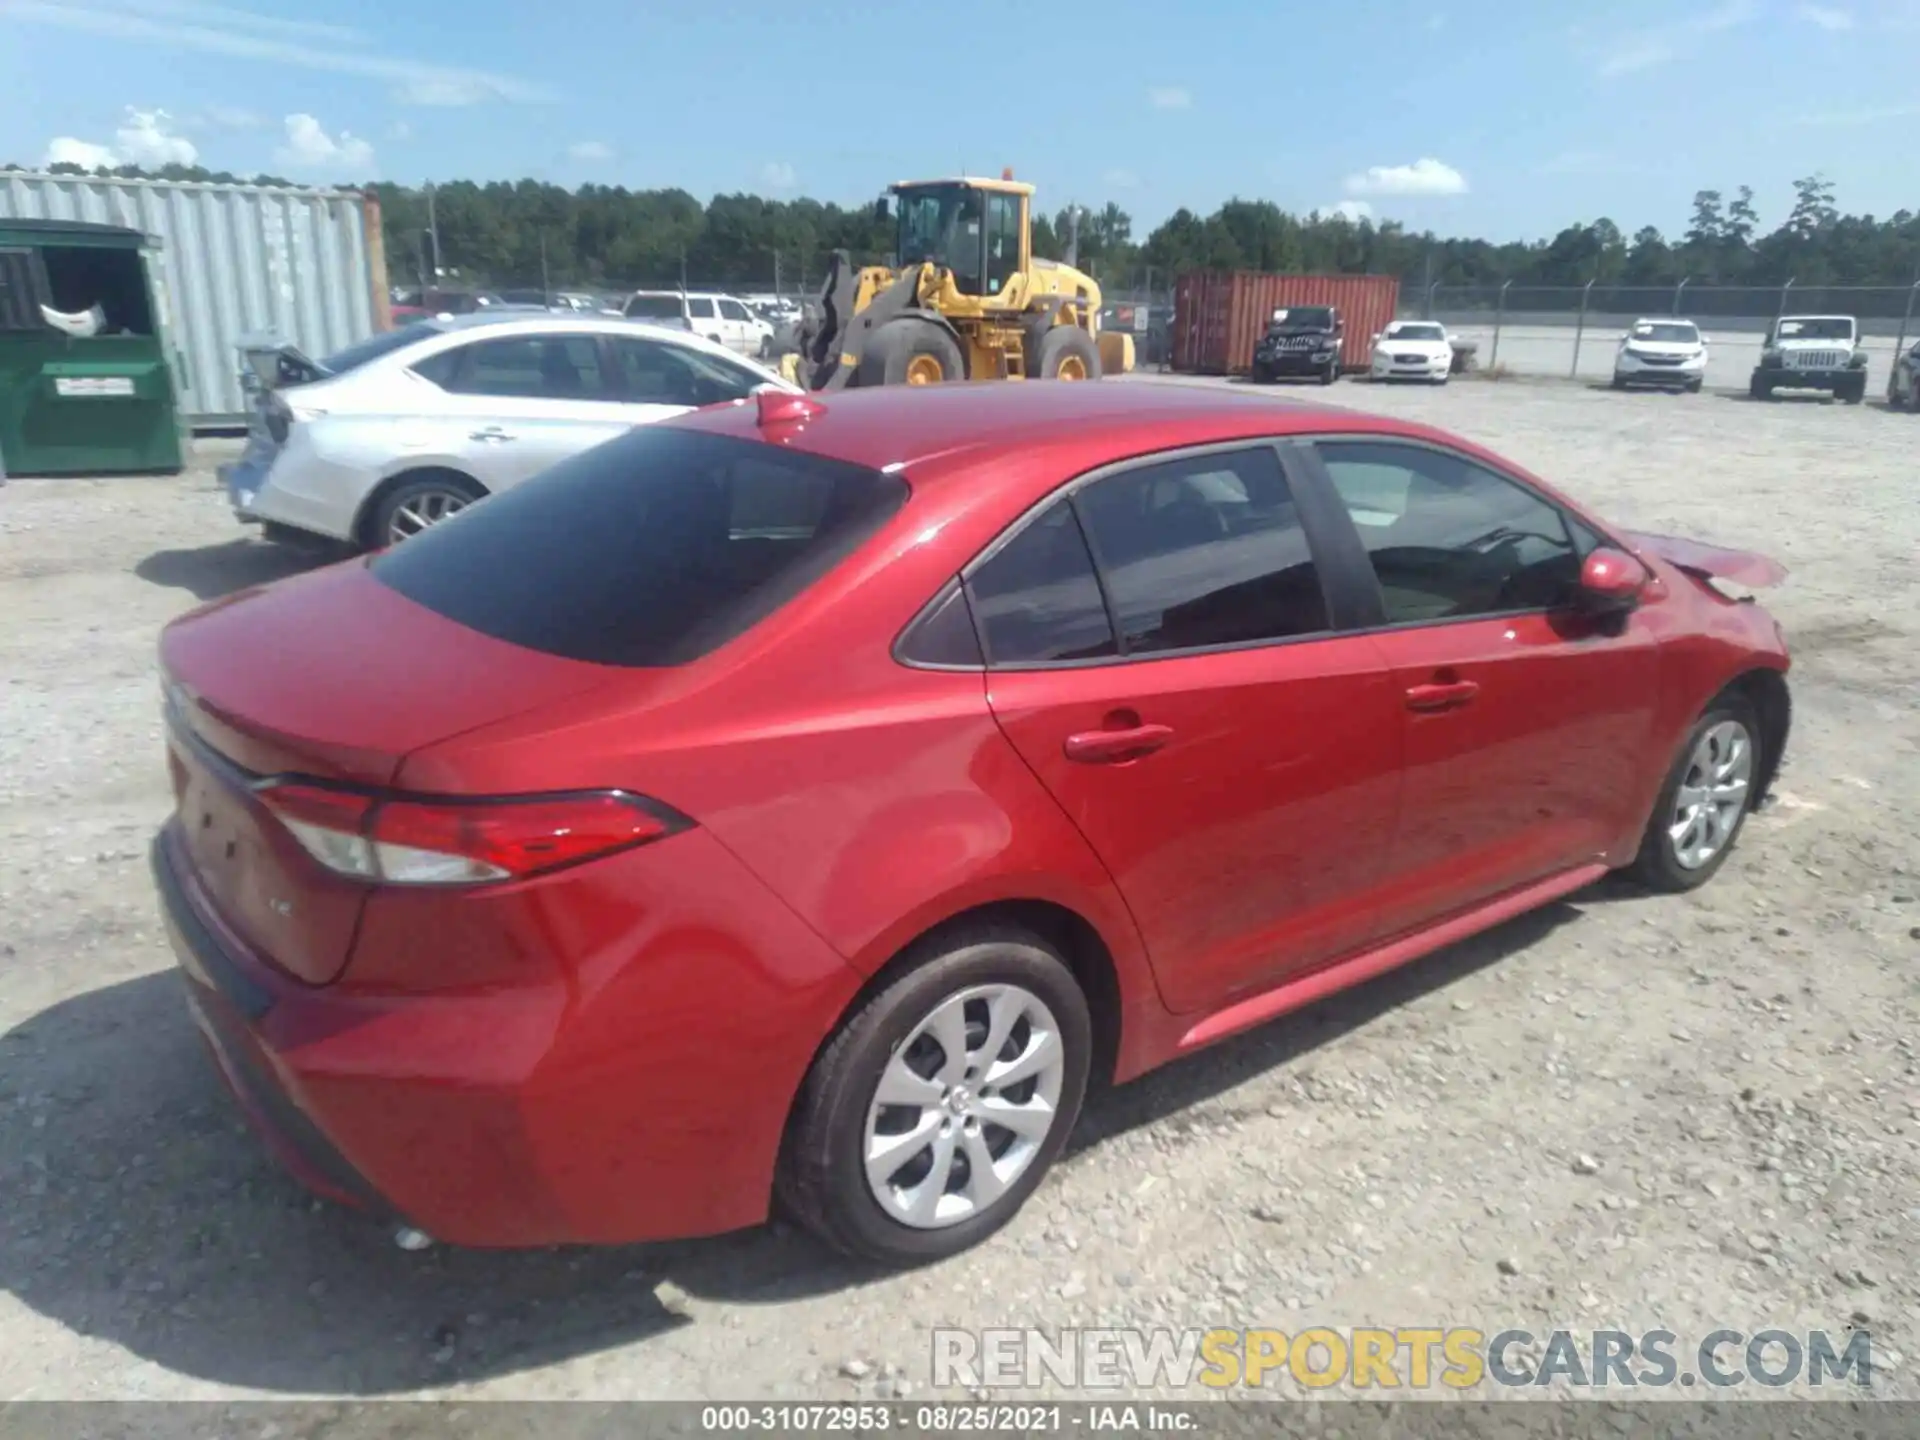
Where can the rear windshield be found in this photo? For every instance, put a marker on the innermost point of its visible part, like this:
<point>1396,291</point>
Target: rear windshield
<point>374,346</point>
<point>654,307</point>
<point>651,549</point>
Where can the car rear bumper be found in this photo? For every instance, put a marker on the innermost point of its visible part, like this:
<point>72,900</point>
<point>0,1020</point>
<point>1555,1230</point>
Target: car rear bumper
<point>599,1102</point>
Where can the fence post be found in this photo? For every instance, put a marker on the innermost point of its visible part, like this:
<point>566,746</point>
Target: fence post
<point>1427,305</point>
<point>1676,292</point>
<point>1783,299</point>
<point>1579,330</point>
<point>1499,315</point>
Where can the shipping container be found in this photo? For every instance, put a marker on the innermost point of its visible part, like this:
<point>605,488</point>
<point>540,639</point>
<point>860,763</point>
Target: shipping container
<point>232,261</point>
<point>1218,317</point>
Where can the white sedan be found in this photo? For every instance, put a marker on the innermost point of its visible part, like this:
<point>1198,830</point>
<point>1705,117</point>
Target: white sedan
<point>1413,350</point>
<point>412,425</point>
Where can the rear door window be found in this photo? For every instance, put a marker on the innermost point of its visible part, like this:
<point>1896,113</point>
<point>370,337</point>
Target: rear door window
<point>733,310</point>
<point>1204,551</point>
<point>650,550</point>
<point>525,367</point>
<point>1036,598</point>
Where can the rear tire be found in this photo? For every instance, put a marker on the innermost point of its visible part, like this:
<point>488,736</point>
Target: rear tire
<point>910,351</point>
<point>418,503</point>
<point>827,1180</point>
<point>1068,349</point>
<point>1722,744</point>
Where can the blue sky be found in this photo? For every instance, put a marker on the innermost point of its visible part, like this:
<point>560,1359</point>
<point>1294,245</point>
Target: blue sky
<point>1463,115</point>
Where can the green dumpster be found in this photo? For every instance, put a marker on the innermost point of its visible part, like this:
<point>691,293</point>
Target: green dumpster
<point>85,388</point>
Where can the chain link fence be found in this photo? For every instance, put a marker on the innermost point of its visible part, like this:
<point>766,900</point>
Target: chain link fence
<point>1573,331</point>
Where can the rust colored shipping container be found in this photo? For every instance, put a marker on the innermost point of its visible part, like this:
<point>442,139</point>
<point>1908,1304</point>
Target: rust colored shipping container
<point>1218,317</point>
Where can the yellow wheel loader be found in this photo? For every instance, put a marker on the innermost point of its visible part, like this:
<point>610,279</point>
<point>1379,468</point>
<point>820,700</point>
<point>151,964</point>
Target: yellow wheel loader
<point>968,300</point>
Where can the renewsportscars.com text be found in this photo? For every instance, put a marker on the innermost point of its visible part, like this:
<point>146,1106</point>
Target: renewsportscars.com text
<point>1402,1358</point>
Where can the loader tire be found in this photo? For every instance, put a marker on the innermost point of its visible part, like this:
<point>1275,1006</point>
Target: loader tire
<point>910,351</point>
<point>1066,352</point>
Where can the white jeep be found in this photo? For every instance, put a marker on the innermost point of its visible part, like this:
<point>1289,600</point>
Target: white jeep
<point>1812,352</point>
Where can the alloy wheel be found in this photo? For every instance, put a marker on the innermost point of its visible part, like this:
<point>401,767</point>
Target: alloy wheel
<point>423,510</point>
<point>1712,794</point>
<point>964,1106</point>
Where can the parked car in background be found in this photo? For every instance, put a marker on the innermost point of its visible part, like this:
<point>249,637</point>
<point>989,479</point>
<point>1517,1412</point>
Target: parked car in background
<point>1303,341</point>
<point>561,302</point>
<point>1670,354</point>
<point>1413,350</point>
<point>723,319</point>
<point>445,304</point>
<point>814,799</point>
<point>1812,352</point>
<point>398,432</point>
<point>1903,383</point>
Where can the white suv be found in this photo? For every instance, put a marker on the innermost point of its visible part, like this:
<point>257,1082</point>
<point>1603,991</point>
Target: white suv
<point>1812,352</point>
<point>1671,354</point>
<point>724,319</point>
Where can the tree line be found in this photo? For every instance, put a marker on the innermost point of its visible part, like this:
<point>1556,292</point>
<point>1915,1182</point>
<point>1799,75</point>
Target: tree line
<point>532,233</point>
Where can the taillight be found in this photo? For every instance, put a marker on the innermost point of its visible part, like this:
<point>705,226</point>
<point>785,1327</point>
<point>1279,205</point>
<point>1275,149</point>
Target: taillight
<point>415,840</point>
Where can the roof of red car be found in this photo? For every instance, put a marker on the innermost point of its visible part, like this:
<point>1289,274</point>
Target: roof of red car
<point>906,425</point>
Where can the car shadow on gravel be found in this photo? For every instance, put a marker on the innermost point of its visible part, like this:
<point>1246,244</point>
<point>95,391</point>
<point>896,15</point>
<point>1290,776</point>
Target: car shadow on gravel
<point>141,1212</point>
<point>210,571</point>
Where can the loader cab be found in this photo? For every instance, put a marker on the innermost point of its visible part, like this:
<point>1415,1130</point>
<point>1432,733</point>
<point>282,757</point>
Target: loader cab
<point>978,229</point>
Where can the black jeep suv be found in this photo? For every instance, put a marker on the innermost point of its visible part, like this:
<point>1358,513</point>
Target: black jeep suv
<point>1303,340</point>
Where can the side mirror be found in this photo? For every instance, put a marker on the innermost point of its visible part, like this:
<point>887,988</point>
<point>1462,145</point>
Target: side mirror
<point>1376,337</point>
<point>1611,582</point>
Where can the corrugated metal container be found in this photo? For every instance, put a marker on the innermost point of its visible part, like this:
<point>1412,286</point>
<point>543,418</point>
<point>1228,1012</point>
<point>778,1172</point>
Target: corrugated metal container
<point>1218,317</point>
<point>233,260</point>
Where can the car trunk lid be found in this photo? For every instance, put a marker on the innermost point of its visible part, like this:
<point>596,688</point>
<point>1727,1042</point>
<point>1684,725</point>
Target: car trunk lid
<point>333,676</point>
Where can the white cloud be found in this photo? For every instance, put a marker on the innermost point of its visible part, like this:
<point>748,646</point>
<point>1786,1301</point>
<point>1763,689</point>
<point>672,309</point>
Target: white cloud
<point>311,149</point>
<point>1663,44</point>
<point>1425,176</point>
<point>242,35</point>
<point>145,138</point>
<point>228,117</point>
<point>590,151</point>
<point>1354,210</point>
<point>1122,180</point>
<point>1827,17</point>
<point>400,130</point>
<point>778,175</point>
<point>65,150</point>
<point>1866,115</point>
<point>1169,97</point>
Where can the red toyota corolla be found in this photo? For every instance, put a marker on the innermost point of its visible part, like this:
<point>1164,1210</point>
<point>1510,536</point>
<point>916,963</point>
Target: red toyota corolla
<point>811,801</point>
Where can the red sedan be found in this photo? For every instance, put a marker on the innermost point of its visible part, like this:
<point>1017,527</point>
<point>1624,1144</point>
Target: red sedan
<point>810,802</point>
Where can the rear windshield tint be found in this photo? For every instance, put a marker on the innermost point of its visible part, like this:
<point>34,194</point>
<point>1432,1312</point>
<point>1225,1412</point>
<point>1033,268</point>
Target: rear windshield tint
<point>651,549</point>
<point>374,346</point>
<point>654,307</point>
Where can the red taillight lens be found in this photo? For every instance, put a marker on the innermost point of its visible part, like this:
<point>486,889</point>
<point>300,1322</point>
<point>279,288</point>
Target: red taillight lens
<point>412,840</point>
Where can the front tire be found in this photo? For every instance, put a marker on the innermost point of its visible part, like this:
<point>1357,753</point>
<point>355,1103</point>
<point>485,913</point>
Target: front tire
<point>1693,386</point>
<point>1759,389</point>
<point>1331,373</point>
<point>1705,799</point>
<point>1854,393</point>
<point>910,351</point>
<point>941,1102</point>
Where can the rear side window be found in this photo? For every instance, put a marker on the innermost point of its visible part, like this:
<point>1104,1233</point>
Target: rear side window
<point>700,309</point>
<point>1036,599</point>
<point>650,550</point>
<point>1204,551</point>
<point>374,346</point>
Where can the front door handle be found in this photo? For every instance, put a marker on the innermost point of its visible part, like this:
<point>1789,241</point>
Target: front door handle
<point>1448,696</point>
<point>1114,747</point>
<point>492,433</point>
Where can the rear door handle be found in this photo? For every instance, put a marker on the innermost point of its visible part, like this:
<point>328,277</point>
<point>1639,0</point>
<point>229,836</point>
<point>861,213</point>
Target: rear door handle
<point>1449,696</point>
<point>1112,747</point>
<point>492,433</point>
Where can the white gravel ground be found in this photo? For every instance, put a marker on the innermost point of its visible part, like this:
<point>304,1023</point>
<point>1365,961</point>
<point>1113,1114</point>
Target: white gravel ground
<point>1737,1068</point>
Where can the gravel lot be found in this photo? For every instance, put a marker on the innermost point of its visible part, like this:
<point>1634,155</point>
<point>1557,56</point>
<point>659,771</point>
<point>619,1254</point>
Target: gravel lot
<point>1621,1111</point>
